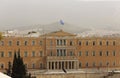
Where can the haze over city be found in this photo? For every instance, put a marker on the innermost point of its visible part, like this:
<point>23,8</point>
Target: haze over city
<point>96,14</point>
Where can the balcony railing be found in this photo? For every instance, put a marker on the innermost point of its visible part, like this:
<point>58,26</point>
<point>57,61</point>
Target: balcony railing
<point>61,58</point>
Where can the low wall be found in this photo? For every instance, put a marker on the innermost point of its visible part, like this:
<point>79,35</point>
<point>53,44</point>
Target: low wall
<point>75,75</point>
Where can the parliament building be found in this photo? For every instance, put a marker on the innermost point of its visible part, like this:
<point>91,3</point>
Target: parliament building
<point>61,50</point>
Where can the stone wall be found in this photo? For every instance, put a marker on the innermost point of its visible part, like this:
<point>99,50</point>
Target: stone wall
<point>75,75</point>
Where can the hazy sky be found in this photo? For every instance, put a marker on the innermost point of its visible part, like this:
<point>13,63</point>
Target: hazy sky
<point>84,13</point>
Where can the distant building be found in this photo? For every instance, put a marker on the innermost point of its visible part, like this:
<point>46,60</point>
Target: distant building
<point>62,50</point>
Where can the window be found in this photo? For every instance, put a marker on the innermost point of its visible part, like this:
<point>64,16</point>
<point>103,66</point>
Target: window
<point>41,43</point>
<point>57,42</point>
<point>58,53</point>
<point>25,54</point>
<point>86,43</point>
<point>94,64</point>
<point>33,53</point>
<point>93,53</point>
<point>25,43</point>
<point>51,53</point>
<point>80,53</point>
<point>100,53</point>
<point>41,65</point>
<point>107,53</point>
<point>100,43</point>
<point>9,54</point>
<point>10,43</point>
<point>60,42</point>
<point>107,63</point>
<point>1,66</point>
<point>18,43</point>
<point>71,43</point>
<point>1,54</point>
<point>80,43</point>
<point>64,54</point>
<point>33,43</point>
<point>87,64</point>
<point>2,43</point>
<point>33,65</point>
<point>80,64</point>
<point>113,43</point>
<point>51,43</point>
<point>93,43</point>
<point>107,43</point>
<point>86,53</point>
<point>71,53</point>
<point>114,53</point>
<point>113,63</point>
<point>100,63</point>
<point>64,42</point>
<point>41,53</point>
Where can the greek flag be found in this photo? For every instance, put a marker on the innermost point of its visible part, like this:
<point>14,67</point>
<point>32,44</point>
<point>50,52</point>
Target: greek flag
<point>61,22</point>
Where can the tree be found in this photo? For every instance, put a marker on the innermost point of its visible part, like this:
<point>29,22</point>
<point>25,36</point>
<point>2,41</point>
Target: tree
<point>1,36</point>
<point>18,69</point>
<point>9,70</point>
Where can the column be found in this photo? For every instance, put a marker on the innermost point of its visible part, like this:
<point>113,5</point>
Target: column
<point>61,64</point>
<point>57,65</point>
<point>54,65</point>
<point>67,64</point>
<point>47,65</point>
<point>50,65</point>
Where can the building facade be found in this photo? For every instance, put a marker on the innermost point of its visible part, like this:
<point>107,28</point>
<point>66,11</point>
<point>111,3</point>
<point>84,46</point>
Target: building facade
<point>62,50</point>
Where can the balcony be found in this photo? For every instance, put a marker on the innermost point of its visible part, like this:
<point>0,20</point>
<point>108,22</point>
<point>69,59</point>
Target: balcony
<point>61,58</point>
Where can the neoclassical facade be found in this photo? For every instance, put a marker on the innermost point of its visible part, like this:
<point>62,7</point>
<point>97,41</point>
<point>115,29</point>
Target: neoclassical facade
<point>62,50</point>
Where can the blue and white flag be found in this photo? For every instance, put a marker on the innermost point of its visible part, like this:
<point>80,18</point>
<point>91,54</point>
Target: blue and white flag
<point>61,22</point>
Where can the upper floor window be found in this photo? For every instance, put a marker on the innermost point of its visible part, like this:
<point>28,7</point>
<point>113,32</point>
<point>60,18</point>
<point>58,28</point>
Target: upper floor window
<point>100,43</point>
<point>64,42</point>
<point>10,43</point>
<point>33,43</point>
<point>71,53</point>
<point>86,53</point>
<point>41,53</point>
<point>9,54</point>
<point>2,43</point>
<point>51,53</point>
<point>93,43</point>
<point>26,54</point>
<point>80,53</point>
<point>100,53</point>
<point>114,53</point>
<point>113,43</point>
<point>25,43</point>
<point>41,43</point>
<point>107,53</point>
<point>86,43</point>
<point>71,43</point>
<point>51,43</point>
<point>80,43</point>
<point>18,43</point>
<point>1,54</point>
<point>93,53</point>
<point>107,43</point>
<point>33,53</point>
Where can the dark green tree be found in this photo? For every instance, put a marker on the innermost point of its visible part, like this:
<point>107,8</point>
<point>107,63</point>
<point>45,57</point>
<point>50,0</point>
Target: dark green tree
<point>9,70</point>
<point>18,69</point>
